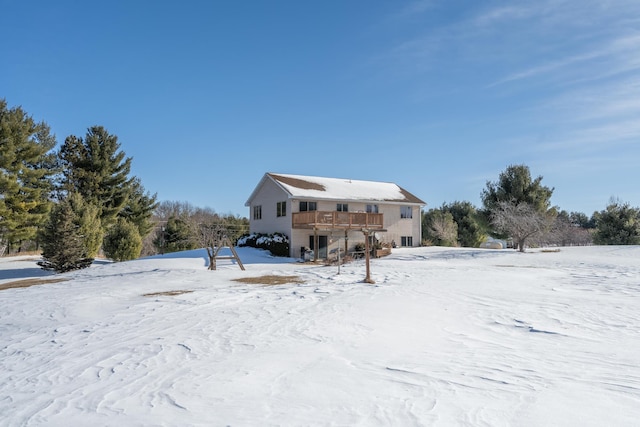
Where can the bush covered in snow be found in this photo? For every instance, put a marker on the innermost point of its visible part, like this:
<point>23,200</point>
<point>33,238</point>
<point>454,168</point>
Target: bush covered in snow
<point>276,243</point>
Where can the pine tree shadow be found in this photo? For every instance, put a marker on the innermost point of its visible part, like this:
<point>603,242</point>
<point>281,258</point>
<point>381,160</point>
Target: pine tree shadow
<point>23,273</point>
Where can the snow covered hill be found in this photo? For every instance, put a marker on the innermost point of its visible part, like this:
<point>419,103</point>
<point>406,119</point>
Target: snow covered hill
<point>445,337</point>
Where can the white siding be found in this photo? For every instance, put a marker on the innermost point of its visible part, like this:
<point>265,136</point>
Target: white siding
<point>268,196</point>
<point>398,227</point>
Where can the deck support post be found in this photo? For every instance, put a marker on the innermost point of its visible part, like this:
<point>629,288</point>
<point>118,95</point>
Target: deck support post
<point>316,242</point>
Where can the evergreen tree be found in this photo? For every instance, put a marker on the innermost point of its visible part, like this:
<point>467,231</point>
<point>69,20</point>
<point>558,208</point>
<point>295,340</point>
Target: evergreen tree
<point>580,219</point>
<point>470,230</point>
<point>122,242</point>
<point>139,208</point>
<point>516,187</point>
<point>236,226</point>
<point>97,169</point>
<point>27,166</point>
<point>88,222</point>
<point>177,235</point>
<point>69,237</point>
<point>618,224</point>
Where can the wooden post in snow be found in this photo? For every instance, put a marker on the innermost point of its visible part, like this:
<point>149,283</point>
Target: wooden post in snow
<point>367,256</point>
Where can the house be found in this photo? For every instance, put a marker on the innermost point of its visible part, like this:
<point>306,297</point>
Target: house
<point>333,214</point>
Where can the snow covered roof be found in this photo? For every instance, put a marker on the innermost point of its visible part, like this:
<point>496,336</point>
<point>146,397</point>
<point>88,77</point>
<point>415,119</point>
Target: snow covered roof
<point>314,187</point>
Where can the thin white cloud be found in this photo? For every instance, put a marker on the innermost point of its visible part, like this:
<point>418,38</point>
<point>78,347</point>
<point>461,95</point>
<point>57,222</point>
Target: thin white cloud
<point>545,68</point>
<point>618,98</point>
<point>594,140</point>
<point>500,14</point>
<point>416,7</point>
<point>583,56</point>
<point>621,54</point>
<point>487,37</point>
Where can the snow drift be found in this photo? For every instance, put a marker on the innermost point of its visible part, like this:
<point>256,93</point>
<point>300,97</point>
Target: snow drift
<point>445,337</point>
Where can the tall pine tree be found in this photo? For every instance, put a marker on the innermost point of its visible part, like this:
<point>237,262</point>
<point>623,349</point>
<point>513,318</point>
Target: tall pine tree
<point>97,169</point>
<point>515,185</point>
<point>27,165</point>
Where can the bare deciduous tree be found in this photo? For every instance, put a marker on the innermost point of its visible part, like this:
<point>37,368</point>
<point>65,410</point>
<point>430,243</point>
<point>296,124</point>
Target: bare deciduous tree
<point>443,227</point>
<point>212,232</point>
<point>564,232</point>
<point>3,246</point>
<point>167,209</point>
<point>211,236</point>
<point>520,221</point>
<point>208,231</point>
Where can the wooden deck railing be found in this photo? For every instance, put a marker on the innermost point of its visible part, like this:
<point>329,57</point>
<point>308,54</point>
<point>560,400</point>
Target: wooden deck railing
<point>335,220</point>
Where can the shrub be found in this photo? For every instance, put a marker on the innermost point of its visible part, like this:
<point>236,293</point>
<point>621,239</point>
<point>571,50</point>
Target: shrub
<point>123,241</point>
<point>276,243</point>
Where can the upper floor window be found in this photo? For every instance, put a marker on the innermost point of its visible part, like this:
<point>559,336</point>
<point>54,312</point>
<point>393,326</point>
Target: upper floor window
<point>406,212</point>
<point>281,209</point>
<point>308,206</point>
<point>342,207</point>
<point>257,212</point>
<point>372,208</point>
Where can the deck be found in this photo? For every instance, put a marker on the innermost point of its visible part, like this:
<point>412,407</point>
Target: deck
<point>334,220</point>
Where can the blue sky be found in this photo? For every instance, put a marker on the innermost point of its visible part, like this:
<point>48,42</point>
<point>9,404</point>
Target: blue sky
<point>438,96</point>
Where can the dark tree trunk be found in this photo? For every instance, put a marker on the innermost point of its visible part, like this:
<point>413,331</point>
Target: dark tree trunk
<point>212,258</point>
<point>521,245</point>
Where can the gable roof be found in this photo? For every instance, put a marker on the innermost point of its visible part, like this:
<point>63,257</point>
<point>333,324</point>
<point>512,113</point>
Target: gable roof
<point>314,187</point>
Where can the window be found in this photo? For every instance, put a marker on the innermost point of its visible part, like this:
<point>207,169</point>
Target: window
<point>342,207</point>
<point>406,241</point>
<point>372,208</point>
<point>281,209</point>
<point>257,212</point>
<point>406,212</point>
<point>308,206</point>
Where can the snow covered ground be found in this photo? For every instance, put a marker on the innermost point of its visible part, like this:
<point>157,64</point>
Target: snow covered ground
<point>445,337</point>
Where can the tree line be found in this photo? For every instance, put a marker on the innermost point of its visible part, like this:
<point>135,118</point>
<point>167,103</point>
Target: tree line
<point>517,208</point>
<point>180,226</point>
<point>81,200</point>
<point>72,202</point>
